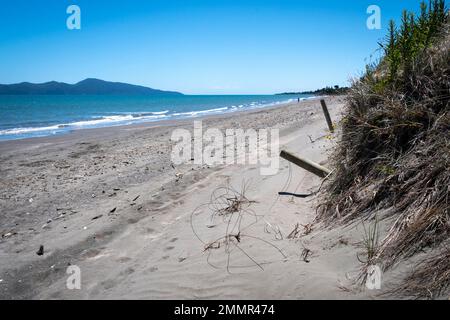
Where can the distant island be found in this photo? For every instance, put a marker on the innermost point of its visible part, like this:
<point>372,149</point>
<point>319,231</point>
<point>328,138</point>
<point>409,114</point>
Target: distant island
<point>336,90</point>
<point>85,87</point>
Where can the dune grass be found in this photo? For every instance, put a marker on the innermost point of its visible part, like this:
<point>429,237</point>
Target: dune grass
<point>394,153</point>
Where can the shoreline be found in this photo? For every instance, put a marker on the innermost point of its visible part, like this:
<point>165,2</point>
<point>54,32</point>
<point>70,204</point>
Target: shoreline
<point>7,145</point>
<point>172,118</point>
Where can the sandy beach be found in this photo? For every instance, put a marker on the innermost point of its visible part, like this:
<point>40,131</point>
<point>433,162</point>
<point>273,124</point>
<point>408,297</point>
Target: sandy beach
<point>187,152</point>
<point>111,202</point>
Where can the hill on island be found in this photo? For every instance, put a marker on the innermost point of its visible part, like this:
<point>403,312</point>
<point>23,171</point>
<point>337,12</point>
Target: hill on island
<point>87,86</point>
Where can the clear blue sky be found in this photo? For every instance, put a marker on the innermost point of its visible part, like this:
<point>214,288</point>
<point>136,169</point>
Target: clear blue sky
<point>193,46</point>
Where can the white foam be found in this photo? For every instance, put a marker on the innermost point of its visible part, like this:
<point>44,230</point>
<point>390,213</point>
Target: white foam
<point>27,130</point>
<point>195,113</point>
<point>101,120</point>
<point>159,112</point>
<point>80,124</point>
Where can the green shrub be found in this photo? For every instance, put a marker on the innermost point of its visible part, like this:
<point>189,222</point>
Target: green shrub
<point>403,45</point>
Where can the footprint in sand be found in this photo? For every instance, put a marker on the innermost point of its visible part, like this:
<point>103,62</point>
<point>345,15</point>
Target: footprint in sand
<point>178,203</point>
<point>132,220</point>
<point>90,253</point>
<point>123,259</point>
<point>127,271</point>
<point>104,235</point>
<point>108,284</point>
<point>175,195</point>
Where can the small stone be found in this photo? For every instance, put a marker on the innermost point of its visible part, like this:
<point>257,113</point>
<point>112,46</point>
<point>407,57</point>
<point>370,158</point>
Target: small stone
<point>40,252</point>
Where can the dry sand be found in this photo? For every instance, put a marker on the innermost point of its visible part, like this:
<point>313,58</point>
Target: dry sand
<point>60,192</point>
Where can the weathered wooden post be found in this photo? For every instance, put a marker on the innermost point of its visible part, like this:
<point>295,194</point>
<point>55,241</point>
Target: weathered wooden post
<point>306,164</point>
<point>327,115</point>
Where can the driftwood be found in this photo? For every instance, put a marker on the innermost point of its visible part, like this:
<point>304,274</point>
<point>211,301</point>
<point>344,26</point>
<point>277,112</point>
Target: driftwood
<point>306,164</point>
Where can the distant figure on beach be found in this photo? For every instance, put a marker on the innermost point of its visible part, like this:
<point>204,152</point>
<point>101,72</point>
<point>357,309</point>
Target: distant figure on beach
<point>298,100</point>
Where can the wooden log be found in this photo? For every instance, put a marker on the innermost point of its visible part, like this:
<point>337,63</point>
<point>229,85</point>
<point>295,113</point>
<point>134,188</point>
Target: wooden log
<point>306,164</point>
<point>327,115</point>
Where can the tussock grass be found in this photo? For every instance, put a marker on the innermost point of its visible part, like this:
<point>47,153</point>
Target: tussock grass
<point>370,245</point>
<point>395,148</point>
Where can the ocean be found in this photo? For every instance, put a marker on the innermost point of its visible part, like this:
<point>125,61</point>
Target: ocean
<point>27,116</point>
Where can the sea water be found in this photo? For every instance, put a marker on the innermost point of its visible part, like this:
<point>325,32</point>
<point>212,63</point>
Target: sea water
<point>26,116</point>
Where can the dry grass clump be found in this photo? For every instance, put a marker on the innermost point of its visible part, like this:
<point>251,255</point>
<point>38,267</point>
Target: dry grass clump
<point>229,216</point>
<point>395,147</point>
<point>430,279</point>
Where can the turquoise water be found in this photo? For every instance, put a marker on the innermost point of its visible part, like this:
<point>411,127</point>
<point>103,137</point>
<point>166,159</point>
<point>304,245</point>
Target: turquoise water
<point>28,116</point>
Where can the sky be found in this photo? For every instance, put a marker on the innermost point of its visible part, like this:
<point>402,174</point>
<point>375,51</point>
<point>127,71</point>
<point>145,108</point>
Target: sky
<point>194,46</point>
